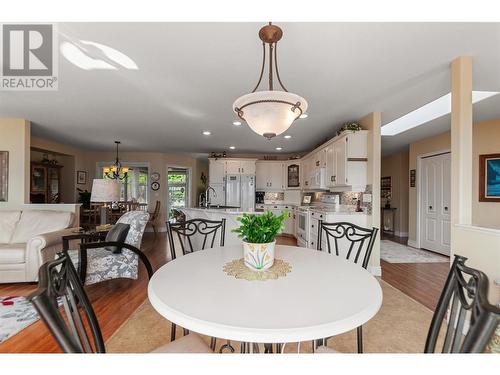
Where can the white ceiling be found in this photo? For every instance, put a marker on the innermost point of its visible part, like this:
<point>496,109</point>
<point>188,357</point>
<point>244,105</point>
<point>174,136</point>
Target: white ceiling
<point>190,73</point>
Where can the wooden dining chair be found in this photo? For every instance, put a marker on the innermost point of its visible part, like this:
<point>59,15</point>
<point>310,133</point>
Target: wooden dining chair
<point>189,233</point>
<point>352,242</point>
<point>153,216</point>
<point>74,326</point>
<point>470,320</point>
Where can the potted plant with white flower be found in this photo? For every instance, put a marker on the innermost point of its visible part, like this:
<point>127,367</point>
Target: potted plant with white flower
<point>258,232</point>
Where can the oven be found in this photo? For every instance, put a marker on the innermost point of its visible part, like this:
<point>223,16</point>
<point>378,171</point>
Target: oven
<point>303,215</point>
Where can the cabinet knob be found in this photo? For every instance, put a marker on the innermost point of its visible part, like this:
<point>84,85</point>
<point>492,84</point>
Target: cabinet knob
<point>430,207</point>
<point>446,208</point>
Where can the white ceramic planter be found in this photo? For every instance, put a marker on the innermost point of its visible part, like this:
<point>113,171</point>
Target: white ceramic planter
<point>258,256</point>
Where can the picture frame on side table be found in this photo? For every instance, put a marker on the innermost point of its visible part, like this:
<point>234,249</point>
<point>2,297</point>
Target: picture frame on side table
<point>489,178</point>
<point>81,177</point>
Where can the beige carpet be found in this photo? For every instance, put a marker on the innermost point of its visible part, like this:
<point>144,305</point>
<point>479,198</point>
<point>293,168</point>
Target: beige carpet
<point>400,326</point>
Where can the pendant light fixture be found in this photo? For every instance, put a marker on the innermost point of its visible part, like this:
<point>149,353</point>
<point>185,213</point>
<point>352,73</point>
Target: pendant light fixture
<point>271,112</point>
<point>116,171</point>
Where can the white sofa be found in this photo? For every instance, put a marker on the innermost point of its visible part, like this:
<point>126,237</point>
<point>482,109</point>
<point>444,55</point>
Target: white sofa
<point>28,238</point>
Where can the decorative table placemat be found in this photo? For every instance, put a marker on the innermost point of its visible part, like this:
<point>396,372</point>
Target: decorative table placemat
<point>237,268</point>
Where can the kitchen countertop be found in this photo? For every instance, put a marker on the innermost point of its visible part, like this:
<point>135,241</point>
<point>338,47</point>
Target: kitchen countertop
<point>222,211</point>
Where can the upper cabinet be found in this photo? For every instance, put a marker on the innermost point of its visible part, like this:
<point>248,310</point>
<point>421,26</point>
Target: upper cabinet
<point>216,171</point>
<point>346,162</point>
<point>269,175</point>
<point>292,174</point>
<point>219,168</point>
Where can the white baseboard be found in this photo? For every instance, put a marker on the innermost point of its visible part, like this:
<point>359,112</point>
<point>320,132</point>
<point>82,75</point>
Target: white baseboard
<point>376,270</point>
<point>401,234</point>
<point>413,244</point>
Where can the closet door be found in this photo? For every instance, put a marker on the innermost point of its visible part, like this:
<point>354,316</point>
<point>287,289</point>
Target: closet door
<point>435,223</point>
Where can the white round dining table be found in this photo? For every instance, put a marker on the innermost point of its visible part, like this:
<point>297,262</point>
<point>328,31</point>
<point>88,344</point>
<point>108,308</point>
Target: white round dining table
<point>323,295</point>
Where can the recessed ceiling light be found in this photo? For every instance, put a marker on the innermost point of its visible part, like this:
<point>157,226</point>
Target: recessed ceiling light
<point>428,112</point>
<point>287,136</point>
<point>232,147</point>
<point>237,123</point>
<point>206,132</point>
<point>304,115</point>
<point>279,148</point>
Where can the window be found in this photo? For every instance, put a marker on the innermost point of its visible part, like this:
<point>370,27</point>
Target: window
<point>137,182</point>
<point>178,189</point>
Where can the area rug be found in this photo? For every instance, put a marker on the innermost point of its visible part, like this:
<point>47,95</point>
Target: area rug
<point>400,326</point>
<point>394,252</point>
<point>16,313</point>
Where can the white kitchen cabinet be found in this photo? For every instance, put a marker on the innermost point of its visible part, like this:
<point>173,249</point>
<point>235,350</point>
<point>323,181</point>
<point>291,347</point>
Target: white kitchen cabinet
<point>292,175</point>
<point>269,176</point>
<point>216,171</point>
<point>240,167</point>
<point>346,162</point>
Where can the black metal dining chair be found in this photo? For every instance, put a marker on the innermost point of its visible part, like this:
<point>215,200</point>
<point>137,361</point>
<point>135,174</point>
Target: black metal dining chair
<point>351,241</point>
<point>471,319</point>
<point>75,326</point>
<point>189,233</point>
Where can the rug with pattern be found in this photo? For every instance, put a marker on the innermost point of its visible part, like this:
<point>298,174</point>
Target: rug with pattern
<point>16,313</point>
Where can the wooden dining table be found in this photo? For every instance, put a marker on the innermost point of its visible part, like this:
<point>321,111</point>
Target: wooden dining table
<point>323,295</point>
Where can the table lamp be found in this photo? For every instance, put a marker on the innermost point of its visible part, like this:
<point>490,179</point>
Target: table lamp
<point>105,191</point>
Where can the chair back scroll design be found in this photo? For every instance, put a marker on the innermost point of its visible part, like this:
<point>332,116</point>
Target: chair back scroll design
<point>358,240</point>
<point>464,302</point>
<point>74,326</point>
<point>187,230</point>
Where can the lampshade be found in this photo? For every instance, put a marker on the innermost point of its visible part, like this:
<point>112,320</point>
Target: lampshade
<point>270,113</point>
<point>105,191</point>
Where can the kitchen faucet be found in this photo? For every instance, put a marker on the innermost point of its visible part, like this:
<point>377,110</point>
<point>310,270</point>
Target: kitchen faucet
<point>207,200</point>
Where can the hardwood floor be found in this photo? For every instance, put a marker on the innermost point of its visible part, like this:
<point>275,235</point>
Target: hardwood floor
<point>421,281</point>
<point>114,301</point>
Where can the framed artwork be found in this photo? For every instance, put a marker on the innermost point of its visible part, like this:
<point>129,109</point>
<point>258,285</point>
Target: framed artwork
<point>489,178</point>
<point>413,177</point>
<point>81,177</point>
<point>4,175</point>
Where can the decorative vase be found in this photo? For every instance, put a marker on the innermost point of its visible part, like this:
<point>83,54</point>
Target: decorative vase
<point>258,256</point>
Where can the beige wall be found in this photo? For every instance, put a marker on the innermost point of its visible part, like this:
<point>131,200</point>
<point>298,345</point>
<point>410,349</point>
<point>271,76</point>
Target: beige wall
<point>396,167</point>
<point>158,162</point>
<point>15,138</point>
<point>441,142</point>
<point>486,140</point>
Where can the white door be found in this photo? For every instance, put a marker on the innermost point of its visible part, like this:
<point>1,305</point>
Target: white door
<point>233,167</point>
<point>247,167</point>
<point>261,175</point>
<point>216,171</point>
<point>330,165</point>
<point>340,152</point>
<point>276,176</point>
<point>435,198</point>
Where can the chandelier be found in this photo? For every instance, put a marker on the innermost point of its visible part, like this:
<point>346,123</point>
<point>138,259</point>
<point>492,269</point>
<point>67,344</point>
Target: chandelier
<point>270,113</point>
<point>116,171</point>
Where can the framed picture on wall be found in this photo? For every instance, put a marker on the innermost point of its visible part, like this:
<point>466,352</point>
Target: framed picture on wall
<point>489,178</point>
<point>81,177</point>
<point>4,175</point>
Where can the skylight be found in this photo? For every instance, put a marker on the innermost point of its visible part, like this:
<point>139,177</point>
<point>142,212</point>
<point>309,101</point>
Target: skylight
<point>428,112</point>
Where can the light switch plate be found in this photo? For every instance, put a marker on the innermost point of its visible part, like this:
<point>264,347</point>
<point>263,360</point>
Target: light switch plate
<point>367,198</point>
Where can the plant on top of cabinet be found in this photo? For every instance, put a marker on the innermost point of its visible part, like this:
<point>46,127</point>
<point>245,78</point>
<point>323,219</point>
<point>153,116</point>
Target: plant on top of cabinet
<point>349,126</point>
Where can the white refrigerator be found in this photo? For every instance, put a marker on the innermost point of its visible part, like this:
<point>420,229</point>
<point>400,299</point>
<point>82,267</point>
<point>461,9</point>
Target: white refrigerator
<point>240,191</point>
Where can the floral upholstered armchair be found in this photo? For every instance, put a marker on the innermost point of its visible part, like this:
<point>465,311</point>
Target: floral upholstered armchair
<point>96,263</point>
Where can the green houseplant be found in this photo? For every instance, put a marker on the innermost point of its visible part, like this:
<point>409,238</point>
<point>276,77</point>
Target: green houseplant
<point>258,232</point>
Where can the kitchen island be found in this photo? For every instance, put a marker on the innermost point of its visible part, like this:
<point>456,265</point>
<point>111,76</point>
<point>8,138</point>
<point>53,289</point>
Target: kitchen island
<point>230,214</point>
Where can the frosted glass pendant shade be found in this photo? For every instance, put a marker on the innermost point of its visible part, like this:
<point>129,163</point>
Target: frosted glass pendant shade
<point>270,113</point>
